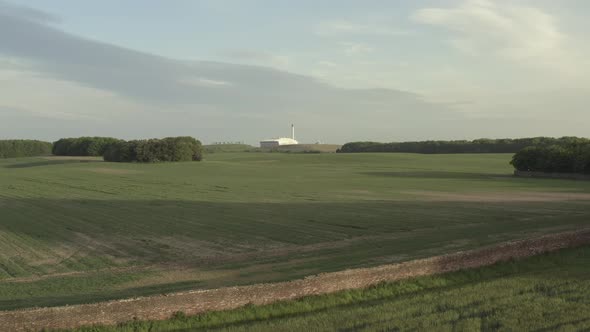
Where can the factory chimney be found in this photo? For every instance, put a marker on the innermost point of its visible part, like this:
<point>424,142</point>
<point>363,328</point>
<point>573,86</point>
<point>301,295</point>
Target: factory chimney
<point>293,131</point>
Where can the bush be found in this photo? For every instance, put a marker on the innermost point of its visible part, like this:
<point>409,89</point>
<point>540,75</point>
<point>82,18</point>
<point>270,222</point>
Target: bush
<point>83,146</point>
<point>24,148</point>
<point>571,158</point>
<point>482,145</point>
<point>118,152</point>
<point>155,150</point>
<point>582,160</point>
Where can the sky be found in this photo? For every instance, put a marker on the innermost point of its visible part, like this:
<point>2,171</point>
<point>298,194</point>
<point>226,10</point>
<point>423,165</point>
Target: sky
<point>340,70</point>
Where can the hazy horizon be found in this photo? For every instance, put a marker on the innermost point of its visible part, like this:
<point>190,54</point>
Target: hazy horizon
<point>340,70</point>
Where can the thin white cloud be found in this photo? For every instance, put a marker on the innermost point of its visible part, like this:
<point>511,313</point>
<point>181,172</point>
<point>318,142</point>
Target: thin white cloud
<point>343,27</point>
<point>507,30</point>
<point>352,48</point>
<point>327,63</point>
<point>59,99</point>
<point>205,82</point>
<point>258,58</point>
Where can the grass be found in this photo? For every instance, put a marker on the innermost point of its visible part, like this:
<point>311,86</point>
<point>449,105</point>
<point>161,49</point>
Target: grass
<point>77,232</point>
<point>217,148</point>
<point>308,148</point>
<point>542,293</point>
<point>299,148</point>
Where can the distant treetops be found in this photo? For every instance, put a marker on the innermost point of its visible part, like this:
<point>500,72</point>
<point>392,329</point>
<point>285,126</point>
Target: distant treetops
<point>566,158</point>
<point>83,146</point>
<point>150,150</point>
<point>483,145</point>
<point>155,150</point>
<point>15,148</point>
<point>538,154</point>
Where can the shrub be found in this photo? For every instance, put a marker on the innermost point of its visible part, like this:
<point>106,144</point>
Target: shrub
<point>527,159</point>
<point>118,152</point>
<point>582,160</point>
<point>83,146</point>
<point>571,158</point>
<point>24,148</point>
<point>155,150</point>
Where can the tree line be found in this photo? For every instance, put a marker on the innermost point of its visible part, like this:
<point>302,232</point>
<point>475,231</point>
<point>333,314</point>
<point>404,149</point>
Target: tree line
<point>24,148</point>
<point>571,158</point>
<point>117,150</point>
<point>182,148</point>
<point>483,145</point>
<point>83,146</point>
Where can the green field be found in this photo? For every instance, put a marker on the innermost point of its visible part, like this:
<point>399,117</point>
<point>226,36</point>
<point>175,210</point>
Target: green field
<point>82,230</point>
<point>219,148</point>
<point>309,148</point>
<point>544,293</point>
<point>299,148</point>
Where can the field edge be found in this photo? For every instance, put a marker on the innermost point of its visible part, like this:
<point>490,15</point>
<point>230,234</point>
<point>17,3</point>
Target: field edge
<point>162,307</point>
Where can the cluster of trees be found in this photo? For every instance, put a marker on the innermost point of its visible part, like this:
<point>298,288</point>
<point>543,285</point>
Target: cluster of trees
<point>572,158</point>
<point>24,148</point>
<point>483,145</point>
<point>83,146</point>
<point>155,150</point>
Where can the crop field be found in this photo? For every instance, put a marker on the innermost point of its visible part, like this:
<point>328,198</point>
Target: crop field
<point>317,148</point>
<point>77,230</point>
<point>549,292</point>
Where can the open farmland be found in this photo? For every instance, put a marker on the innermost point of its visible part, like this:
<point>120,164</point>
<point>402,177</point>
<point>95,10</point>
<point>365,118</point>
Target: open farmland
<point>549,292</point>
<point>75,231</point>
<point>308,148</point>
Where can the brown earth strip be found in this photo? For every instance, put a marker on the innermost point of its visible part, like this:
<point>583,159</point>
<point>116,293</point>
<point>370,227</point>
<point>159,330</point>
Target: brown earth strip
<point>195,302</point>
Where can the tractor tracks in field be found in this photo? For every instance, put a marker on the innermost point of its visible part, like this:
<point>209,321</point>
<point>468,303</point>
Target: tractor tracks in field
<point>199,301</point>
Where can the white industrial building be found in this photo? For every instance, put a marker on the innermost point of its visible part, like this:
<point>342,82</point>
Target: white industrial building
<point>276,142</point>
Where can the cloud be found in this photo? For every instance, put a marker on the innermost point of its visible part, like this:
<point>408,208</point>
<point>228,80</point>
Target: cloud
<point>258,58</point>
<point>342,27</point>
<point>27,13</point>
<point>204,82</point>
<point>507,30</point>
<point>145,77</point>
<point>352,48</point>
<point>327,63</point>
<point>105,89</point>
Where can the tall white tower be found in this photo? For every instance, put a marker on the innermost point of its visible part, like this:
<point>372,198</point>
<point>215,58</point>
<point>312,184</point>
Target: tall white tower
<point>293,131</point>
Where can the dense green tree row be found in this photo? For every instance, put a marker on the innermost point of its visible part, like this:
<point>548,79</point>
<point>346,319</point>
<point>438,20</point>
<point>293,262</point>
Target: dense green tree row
<point>155,150</point>
<point>83,146</point>
<point>476,146</point>
<point>23,148</point>
<point>573,158</point>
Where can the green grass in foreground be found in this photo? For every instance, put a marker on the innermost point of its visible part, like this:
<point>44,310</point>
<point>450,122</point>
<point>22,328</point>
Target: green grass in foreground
<point>543,293</point>
<point>79,230</point>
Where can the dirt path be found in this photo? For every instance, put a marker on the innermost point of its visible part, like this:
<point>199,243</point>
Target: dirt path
<point>194,302</point>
